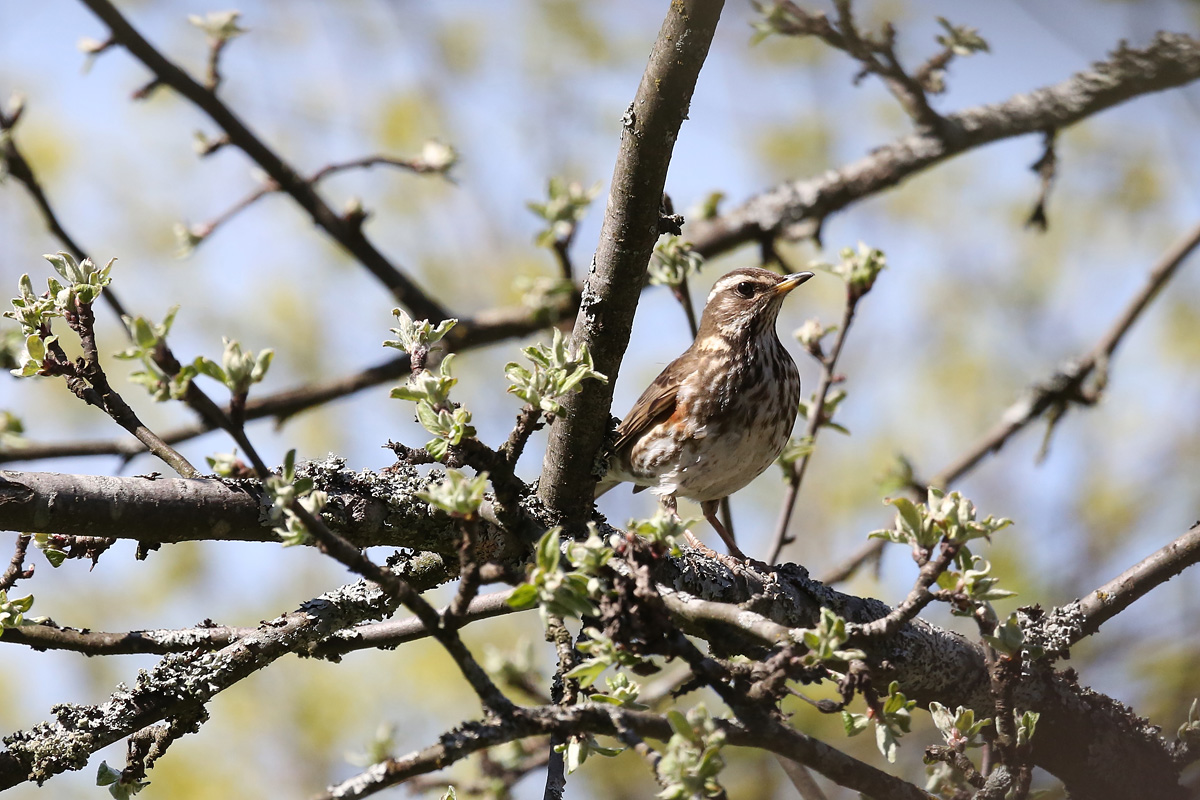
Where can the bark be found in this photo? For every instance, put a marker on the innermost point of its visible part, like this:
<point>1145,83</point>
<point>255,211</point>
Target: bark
<point>627,239</point>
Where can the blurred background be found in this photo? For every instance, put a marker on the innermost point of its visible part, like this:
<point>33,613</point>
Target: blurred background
<point>973,308</point>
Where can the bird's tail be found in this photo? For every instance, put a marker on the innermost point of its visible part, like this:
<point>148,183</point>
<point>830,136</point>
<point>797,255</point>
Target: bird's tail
<point>605,485</point>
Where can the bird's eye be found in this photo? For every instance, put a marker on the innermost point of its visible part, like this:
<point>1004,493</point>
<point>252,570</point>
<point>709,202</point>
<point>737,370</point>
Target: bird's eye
<point>745,289</point>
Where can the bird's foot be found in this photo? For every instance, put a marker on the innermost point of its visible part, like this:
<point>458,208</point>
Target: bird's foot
<point>734,561</point>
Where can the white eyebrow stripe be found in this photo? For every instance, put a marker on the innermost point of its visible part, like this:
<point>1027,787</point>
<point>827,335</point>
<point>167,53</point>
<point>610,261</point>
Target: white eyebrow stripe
<point>727,282</point>
<point>730,281</point>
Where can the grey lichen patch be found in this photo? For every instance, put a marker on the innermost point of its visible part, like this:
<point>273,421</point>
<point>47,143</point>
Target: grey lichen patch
<point>381,508</point>
<point>1054,632</point>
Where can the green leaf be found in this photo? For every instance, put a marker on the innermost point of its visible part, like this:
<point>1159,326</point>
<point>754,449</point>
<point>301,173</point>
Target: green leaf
<point>854,724</point>
<point>549,549</point>
<point>524,596</point>
<point>587,673</point>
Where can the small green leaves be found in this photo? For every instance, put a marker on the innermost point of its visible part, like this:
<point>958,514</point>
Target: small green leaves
<point>673,261</point>
<point>226,465</point>
<point>85,281</point>
<point>31,360</point>
<point>147,338</point>
<point>959,728</point>
<point>239,368</point>
<point>894,722</point>
<point>955,516</point>
<point>556,592</point>
<point>1189,731</point>
<point>578,748</point>
<point>591,555</point>
<point>118,786</point>
<point>429,387</point>
<point>946,516</point>
<point>543,294</point>
<point>833,399</point>
<point>283,490</point>
<point>566,206</point>
<point>12,611</point>
<point>692,760</point>
<point>416,337</point>
<point>431,392</point>
<point>1026,726</point>
<point>858,268</point>
<point>219,25</point>
<point>602,653</point>
<point>663,530</point>
<point>976,583</point>
<point>189,237</point>
<point>621,692</point>
<point>810,334</point>
<point>458,494</point>
<point>31,311</point>
<point>796,449</point>
<point>1007,638</point>
<point>449,794</point>
<point>48,544</point>
<point>825,641</point>
<point>555,373</point>
<point>783,19</point>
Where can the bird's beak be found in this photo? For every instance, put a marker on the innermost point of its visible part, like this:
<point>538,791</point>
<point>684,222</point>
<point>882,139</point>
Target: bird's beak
<point>791,282</point>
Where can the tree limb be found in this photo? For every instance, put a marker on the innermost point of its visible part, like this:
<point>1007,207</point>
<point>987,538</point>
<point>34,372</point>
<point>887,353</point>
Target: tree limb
<point>345,232</point>
<point>627,240</point>
<point>797,209</point>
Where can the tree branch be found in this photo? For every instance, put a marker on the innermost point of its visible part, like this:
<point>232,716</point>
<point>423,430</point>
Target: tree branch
<point>1059,390</point>
<point>627,239</point>
<point>181,683</point>
<point>375,635</point>
<point>345,232</point>
<point>797,209</point>
<point>609,720</point>
<point>1066,625</point>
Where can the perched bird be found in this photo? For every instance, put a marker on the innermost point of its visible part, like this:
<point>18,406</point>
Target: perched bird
<point>720,414</point>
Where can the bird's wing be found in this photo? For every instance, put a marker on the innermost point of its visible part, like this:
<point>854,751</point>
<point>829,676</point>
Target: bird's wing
<point>655,405</point>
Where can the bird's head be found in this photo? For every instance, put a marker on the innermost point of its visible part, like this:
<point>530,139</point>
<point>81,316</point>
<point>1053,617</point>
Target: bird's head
<point>746,302</point>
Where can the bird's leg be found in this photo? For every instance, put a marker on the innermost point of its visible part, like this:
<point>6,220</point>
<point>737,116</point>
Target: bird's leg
<point>710,507</point>
<point>670,504</point>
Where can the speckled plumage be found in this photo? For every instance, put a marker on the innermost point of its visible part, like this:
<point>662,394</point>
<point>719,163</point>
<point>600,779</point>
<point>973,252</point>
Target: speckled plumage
<point>718,416</point>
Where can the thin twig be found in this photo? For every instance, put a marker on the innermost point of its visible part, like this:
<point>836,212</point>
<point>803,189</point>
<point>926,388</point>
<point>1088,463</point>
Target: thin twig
<point>816,417</point>
<point>204,230</point>
<point>334,545</point>
<point>16,568</point>
<point>1065,386</point>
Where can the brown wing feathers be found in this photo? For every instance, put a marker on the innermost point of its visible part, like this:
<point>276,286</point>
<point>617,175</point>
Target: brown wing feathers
<point>656,404</point>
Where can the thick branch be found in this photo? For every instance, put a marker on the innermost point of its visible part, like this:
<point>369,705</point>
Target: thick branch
<point>181,683</point>
<point>627,240</point>
<point>345,232</point>
<point>382,635</point>
<point>368,509</point>
<point>610,721</point>
<point>1057,631</point>
<point>798,208</point>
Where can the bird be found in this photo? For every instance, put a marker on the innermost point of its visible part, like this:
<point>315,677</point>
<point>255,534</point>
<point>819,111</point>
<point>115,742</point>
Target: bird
<point>720,414</point>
